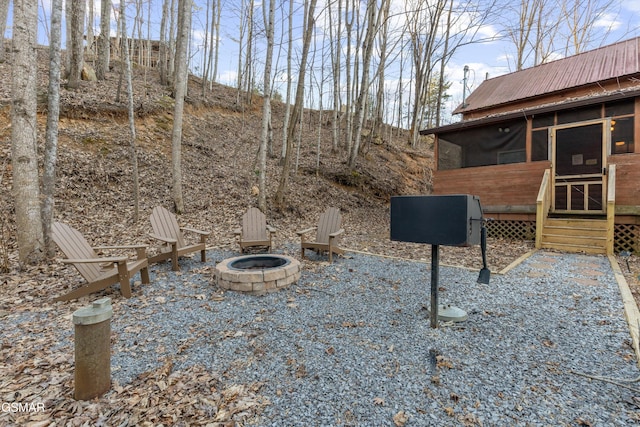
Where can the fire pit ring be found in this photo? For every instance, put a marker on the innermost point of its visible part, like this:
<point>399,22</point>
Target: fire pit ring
<point>257,262</point>
<point>257,274</point>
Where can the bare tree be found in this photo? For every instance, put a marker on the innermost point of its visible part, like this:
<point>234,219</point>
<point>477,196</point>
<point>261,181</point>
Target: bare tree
<point>206,55</point>
<point>104,40</point>
<point>163,49</point>
<point>4,12</point>
<point>336,52</point>
<point>527,13</point>
<point>581,17</point>
<point>53,113</point>
<point>373,24</point>
<point>172,42</point>
<point>349,18</point>
<point>248,62</point>
<point>422,26</point>
<point>217,48</point>
<point>211,44</point>
<point>24,141</point>
<point>287,110</point>
<point>136,46</point>
<point>543,29</point>
<point>269,19</point>
<point>90,35</point>
<point>76,52</point>
<point>132,126</point>
<point>241,31</point>
<point>182,58</point>
<point>383,43</point>
<point>297,107</point>
<point>437,30</point>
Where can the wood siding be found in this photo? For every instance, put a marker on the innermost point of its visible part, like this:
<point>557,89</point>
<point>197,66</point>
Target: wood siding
<point>627,181</point>
<point>513,186</point>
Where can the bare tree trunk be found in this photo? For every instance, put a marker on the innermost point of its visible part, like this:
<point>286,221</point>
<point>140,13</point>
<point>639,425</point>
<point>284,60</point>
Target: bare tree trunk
<point>287,107</point>
<point>24,148</point>
<point>172,41</point>
<point>266,107</point>
<point>349,103</point>
<point>90,36</point>
<point>53,113</point>
<point>443,64</point>
<point>400,86</point>
<point>163,48</point>
<point>241,30</point>
<point>336,52</point>
<point>137,47</point>
<point>132,125</point>
<point>297,107</point>
<point>206,56</point>
<point>369,37</point>
<point>248,62</point>
<point>320,106</point>
<point>104,41</point>
<point>215,61</point>
<point>4,12</point>
<point>423,47</point>
<point>68,10</point>
<point>182,57</point>
<point>77,41</point>
<point>382,64</point>
<point>299,139</point>
<point>147,57</point>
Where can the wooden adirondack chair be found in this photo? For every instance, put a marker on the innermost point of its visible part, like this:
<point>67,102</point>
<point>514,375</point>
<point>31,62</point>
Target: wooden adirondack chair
<point>100,272</point>
<point>328,231</point>
<point>255,232</point>
<point>166,229</point>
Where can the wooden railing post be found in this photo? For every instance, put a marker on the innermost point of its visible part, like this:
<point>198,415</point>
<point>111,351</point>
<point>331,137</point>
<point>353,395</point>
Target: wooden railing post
<point>543,204</point>
<point>611,207</point>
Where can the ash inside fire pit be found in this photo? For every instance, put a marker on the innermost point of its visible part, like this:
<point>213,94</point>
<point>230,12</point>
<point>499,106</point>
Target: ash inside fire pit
<point>258,262</point>
<point>257,274</point>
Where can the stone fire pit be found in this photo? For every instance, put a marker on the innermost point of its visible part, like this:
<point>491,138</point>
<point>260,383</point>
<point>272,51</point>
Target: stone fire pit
<point>257,274</point>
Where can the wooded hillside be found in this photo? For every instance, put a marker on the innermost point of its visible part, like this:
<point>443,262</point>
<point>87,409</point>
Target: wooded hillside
<point>220,145</point>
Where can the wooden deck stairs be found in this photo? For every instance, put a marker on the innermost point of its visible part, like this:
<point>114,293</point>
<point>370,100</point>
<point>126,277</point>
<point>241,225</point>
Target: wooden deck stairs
<point>584,235</point>
<point>592,234</point>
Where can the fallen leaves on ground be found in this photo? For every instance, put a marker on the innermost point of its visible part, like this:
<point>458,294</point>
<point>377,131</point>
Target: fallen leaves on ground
<point>400,419</point>
<point>163,396</point>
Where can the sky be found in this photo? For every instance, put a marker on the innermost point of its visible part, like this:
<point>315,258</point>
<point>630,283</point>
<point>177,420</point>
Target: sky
<point>487,59</point>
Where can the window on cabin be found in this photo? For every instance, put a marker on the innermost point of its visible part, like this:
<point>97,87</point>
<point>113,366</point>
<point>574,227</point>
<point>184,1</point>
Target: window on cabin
<point>622,135</point>
<point>622,121</point>
<point>501,143</point>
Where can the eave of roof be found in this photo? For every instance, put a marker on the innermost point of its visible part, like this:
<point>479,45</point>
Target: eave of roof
<point>540,109</point>
<point>617,60</point>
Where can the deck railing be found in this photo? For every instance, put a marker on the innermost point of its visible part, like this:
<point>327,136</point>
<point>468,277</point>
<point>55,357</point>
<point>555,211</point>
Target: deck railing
<point>611,207</point>
<point>543,205</point>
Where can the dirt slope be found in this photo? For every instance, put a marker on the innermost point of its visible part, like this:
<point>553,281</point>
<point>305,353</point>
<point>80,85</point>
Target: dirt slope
<point>219,155</point>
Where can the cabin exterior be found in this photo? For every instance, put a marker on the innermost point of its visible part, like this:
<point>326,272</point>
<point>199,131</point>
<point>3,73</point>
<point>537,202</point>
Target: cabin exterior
<point>552,152</point>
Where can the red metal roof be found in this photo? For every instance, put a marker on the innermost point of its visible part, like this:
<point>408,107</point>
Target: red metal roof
<point>609,62</point>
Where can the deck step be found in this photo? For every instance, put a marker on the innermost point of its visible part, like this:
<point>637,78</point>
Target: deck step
<point>575,235</point>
